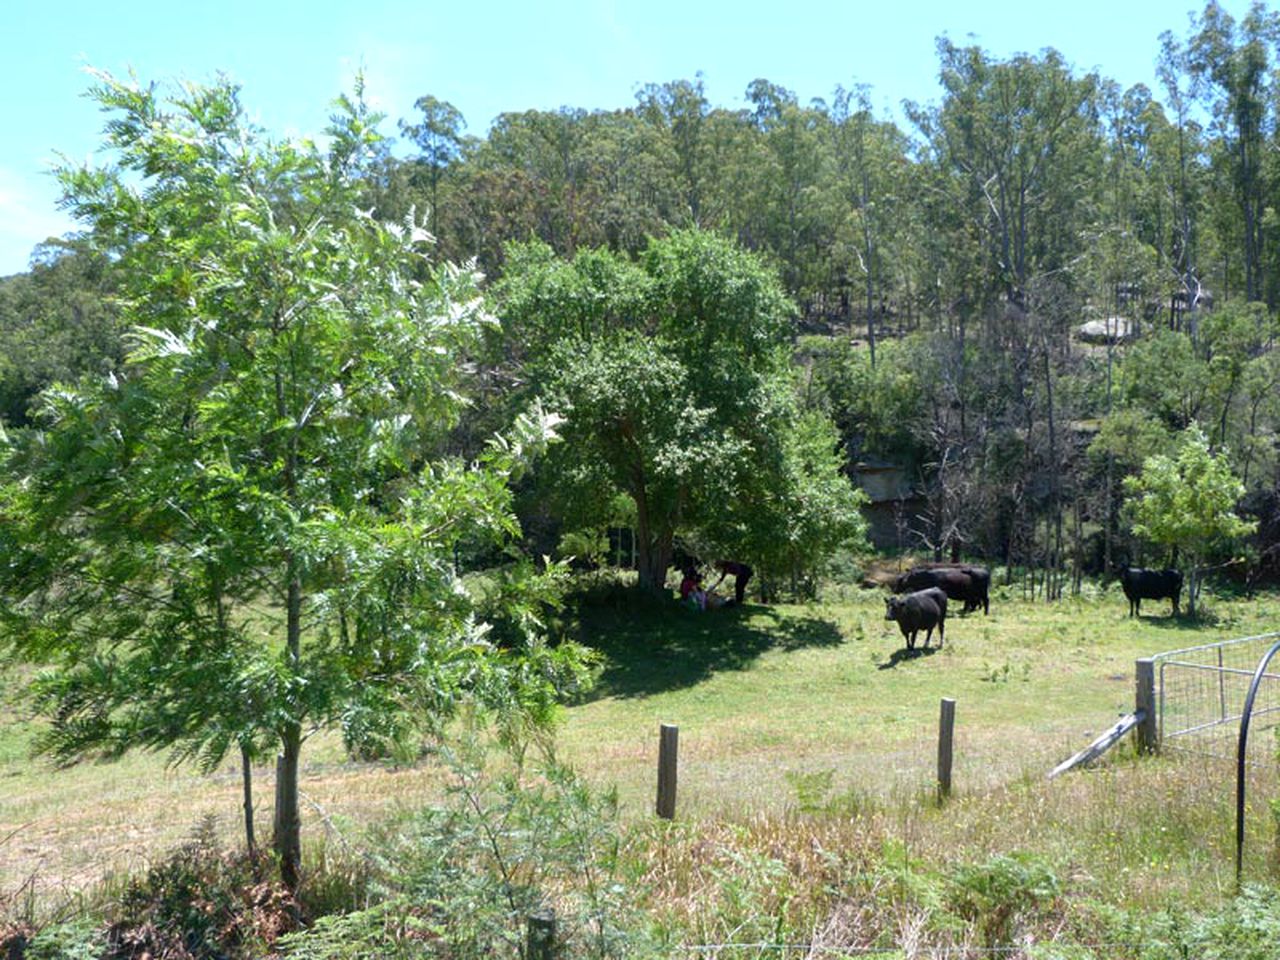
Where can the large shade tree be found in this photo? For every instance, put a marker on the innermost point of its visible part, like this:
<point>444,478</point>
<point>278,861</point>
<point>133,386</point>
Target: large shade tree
<point>246,534</point>
<point>672,374</point>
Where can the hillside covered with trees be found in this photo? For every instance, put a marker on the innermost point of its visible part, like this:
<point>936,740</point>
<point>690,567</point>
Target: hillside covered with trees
<point>1038,283</point>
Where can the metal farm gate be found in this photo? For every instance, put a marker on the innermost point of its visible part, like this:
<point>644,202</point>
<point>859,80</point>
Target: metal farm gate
<point>1200,694</point>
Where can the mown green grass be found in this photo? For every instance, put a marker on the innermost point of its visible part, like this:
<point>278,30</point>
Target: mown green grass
<point>775,705</point>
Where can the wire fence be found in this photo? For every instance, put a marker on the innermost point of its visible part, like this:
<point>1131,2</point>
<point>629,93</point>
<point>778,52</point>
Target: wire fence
<point>1201,693</point>
<point>760,951</point>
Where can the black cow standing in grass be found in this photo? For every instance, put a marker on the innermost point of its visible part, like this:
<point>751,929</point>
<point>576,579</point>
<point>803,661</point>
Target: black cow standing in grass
<point>1140,584</point>
<point>922,610</point>
<point>970,584</point>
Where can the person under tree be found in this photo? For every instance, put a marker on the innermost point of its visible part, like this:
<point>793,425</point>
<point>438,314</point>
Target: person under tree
<point>741,575</point>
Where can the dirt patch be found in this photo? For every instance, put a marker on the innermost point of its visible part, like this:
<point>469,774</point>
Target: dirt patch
<point>882,571</point>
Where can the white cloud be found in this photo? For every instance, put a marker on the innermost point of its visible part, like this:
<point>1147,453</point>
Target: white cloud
<point>28,216</point>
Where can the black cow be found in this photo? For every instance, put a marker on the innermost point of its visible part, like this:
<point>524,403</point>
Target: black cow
<point>922,610</point>
<point>1142,584</point>
<point>970,584</point>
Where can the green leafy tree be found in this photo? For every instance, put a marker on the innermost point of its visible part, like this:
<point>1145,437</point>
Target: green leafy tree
<point>869,161</point>
<point>672,376</point>
<point>1017,136</point>
<point>1232,63</point>
<point>1164,376</point>
<point>793,156</point>
<point>56,322</point>
<point>439,139</point>
<point>1176,148</point>
<point>797,522</point>
<point>878,407</point>
<point>1130,436</point>
<point>1260,415</point>
<point>680,117</point>
<point>245,536</point>
<point>1186,501</point>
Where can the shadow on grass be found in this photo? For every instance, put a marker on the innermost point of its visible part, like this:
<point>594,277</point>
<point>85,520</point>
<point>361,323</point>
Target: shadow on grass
<point>655,648</point>
<point>902,653</point>
<point>1179,621</point>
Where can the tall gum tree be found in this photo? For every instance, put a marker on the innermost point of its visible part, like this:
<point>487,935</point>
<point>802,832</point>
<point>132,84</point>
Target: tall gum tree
<point>1232,65</point>
<point>245,534</point>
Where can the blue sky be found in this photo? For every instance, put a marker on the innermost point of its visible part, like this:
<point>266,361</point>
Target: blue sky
<point>292,58</point>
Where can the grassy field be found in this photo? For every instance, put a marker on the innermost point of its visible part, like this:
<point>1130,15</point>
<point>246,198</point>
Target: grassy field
<point>783,711</point>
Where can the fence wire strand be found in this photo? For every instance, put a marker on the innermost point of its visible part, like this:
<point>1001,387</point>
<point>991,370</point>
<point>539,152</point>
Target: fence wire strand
<point>923,953</point>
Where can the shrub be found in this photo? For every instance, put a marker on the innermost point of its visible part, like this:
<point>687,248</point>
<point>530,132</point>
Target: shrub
<point>200,903</point>
<point>389,931</point>
<point>998,894</point>
<point>1248,928</point>
<point>501,847</point>
<point>74,940</point>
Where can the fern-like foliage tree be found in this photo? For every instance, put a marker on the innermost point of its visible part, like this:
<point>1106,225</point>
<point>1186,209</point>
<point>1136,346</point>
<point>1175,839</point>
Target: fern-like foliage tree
<point>248,532</point>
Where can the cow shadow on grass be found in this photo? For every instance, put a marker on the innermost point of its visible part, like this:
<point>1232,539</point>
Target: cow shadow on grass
<point>902,654</point>
<point>1179,621</point>
<point>658,650</point>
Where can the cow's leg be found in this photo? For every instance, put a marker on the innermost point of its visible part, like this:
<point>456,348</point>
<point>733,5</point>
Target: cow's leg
<point>942,630</point>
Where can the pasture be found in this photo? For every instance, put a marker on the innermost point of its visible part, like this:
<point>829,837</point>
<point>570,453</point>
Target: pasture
<point>795,722</point>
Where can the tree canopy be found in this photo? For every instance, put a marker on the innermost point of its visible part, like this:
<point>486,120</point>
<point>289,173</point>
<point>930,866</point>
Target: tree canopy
<point>247,532</point>
<point>1013,297</point>
<point>1186,501</point>
<point>673,378</point>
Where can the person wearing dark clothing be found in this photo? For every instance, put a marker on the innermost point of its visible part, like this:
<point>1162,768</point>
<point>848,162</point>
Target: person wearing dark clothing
<point>741,574</point>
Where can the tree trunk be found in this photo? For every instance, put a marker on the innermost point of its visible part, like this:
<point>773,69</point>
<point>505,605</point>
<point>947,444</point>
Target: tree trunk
<point>287,842</point>
<point>653,550</point>
<point>288,835</point>
<point>1077,533</point>
<point>869,248</point>
<point>1053,539</point>
<point>652,560</point>
<point>247,770</point>
<point>1109,522</point>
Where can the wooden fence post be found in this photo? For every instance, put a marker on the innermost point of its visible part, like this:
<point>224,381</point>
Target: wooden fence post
<point>1145,701</point>
<point>541,944</point>
<point>1222,688</point>
<point>668,740</point>
<point>946,729</point>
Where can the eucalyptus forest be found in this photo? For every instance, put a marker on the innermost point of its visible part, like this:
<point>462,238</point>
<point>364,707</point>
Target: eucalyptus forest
<point>939,277</point>
<point>365,437</point>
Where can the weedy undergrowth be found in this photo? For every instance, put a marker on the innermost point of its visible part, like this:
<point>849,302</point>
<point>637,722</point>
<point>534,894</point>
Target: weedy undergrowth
<point>468,872</point>
<point>201,902</point>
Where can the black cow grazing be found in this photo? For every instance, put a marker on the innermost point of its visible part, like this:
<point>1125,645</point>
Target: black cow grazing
<point>970,584</point>
<point>1142,584</point>
<point>922,610</point>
